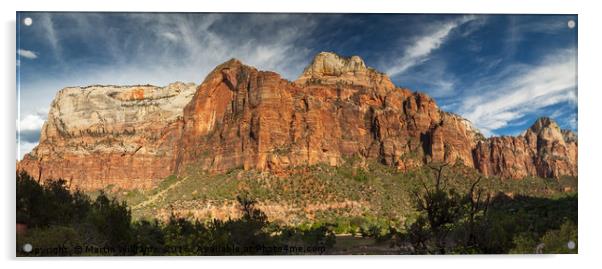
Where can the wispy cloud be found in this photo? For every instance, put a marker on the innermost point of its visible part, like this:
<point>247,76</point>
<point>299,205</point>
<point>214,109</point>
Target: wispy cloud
<point>432,77</point>
<point>522,28</point>
<point>159,48</point>
<point>27,54</point>
<point>50,34</point>
<point>185,46</point>
<point>170,36</point>
<point>422,46</point>
<point>113,49</point>
<point>526,89</point>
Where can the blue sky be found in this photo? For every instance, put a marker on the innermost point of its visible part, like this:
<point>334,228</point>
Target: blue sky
<point>499,71</point>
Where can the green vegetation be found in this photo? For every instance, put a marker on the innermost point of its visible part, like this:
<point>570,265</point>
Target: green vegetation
<point>552,242</point>
<point>61,223</point>
<point>454,220</point>
<point>370,207</point>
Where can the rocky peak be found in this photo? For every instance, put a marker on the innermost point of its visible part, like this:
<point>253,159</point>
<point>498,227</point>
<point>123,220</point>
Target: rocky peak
<point>545,129</point>
<point>328,68</point>
<point>543,123</point>
<point>569,136</point>
<point>331,64</point>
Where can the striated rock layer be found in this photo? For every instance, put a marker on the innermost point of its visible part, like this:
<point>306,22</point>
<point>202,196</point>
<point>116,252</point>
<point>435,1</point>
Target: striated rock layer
<point>109,135</point>
<point>242,117</point>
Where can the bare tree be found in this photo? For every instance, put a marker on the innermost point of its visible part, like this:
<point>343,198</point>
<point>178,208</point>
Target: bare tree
<point>442,207</point>
<point>447,219</point>
<point>477,205</point>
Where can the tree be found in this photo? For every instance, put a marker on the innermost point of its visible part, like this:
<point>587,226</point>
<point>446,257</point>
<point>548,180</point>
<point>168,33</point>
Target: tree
<point>442,210</point>
<point>148,237</point>
<point>57,216</point>
<point>248,232</point>
<point>439,208</point>
<point>113,219</point>
<point>49,204</point>
<point>477,206</point>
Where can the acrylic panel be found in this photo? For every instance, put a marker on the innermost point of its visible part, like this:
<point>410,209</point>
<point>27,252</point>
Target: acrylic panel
<point>295,134</point>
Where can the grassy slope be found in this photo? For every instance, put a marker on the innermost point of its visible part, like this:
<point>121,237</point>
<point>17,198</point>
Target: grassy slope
<point>348,194</point>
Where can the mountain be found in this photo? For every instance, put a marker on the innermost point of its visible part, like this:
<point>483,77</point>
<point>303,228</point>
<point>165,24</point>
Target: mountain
<point>241,117</point>
<point>543,150</point>
<point>101,135</point>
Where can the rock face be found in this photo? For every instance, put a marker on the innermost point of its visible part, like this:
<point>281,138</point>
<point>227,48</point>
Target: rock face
<point>102,135</point>
<point>242,117</point>
<point>331,69</point>
<point>543,150</point>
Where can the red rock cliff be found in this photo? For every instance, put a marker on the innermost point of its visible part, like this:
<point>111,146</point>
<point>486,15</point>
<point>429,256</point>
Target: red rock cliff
<point>242,117</point>
<point>543,150</point>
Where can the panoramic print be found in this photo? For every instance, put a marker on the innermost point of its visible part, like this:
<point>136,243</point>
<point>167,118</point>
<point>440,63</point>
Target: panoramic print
<point>210,134</point>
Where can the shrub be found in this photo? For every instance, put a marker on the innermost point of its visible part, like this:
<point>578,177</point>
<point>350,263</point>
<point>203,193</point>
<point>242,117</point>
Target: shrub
<point>557,241</point>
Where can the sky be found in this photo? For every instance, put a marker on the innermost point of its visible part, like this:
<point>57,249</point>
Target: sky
<point>501,72</point>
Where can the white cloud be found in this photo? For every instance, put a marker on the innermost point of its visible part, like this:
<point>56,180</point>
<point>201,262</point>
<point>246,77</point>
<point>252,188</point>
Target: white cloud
<point>197,44</point>
<point>31,122</point>
<point>528,89</point>
<point>169,36</point>
<point>203,42</point>
<point>27,54</point>
<point>28,132</point>
<point>422,46</point>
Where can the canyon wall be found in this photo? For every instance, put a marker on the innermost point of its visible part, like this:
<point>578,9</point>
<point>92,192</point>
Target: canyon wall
<point>240,117</point>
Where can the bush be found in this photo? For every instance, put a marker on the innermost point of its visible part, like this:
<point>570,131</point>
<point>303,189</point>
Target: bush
<point>60,220</point>
<point>557,241</point>
<point>554,241</point>
<point>53,213</point>
<point>113,218</point>
<point>471,221</point>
